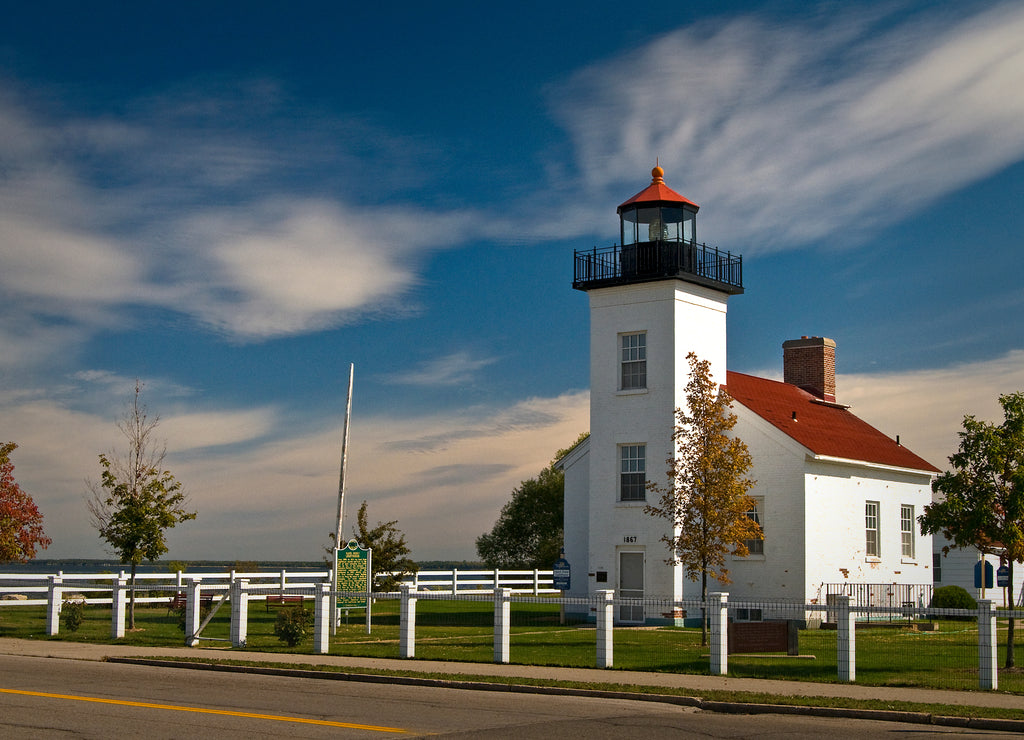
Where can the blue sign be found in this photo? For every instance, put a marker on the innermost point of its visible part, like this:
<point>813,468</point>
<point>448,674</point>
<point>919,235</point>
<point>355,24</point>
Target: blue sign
<point>988,574</point>
<point>1003,576</point>
<point>561,574</point>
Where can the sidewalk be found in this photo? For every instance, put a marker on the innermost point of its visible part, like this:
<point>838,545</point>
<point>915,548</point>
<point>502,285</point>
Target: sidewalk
<point>84,651</point>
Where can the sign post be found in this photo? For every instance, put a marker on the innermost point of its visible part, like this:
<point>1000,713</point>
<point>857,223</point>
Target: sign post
<point>561,577</point>
<point>353,569</point>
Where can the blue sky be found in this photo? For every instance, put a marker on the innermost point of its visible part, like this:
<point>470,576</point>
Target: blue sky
<point>232,202</point>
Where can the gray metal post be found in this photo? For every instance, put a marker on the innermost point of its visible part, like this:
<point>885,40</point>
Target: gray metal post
<point>239,612</point>
<point>502,619</point>
<point>55,596</point>
<point>193,611</point>
<point>988,653</point>
<point>118,607</point>
<point>718,607</point>
<point>846,639</point>
<point>323,619</point>
<point>407,626</point>
<point>605,627</point>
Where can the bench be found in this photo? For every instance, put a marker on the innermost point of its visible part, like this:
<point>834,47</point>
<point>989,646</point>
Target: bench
<point>285,600</point>
<point>180,599</point>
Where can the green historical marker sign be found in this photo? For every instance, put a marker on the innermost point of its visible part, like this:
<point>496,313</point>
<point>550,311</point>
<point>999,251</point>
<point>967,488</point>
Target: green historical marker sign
<point>352,574</point>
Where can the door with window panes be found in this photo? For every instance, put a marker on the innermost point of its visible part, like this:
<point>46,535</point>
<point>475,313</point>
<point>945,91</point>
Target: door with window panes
<point>631,586</point>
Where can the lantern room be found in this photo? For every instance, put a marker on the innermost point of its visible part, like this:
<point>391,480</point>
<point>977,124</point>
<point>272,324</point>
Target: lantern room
<point>658,213</point>
<point>658,241</point>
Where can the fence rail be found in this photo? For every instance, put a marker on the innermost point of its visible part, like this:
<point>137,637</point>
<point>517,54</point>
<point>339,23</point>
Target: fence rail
<point>98,588</point>
<point>978,639</point>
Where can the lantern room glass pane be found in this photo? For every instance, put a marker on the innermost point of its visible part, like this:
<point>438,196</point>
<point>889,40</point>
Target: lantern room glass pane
<point>658,223</point>
<point>629,227</point>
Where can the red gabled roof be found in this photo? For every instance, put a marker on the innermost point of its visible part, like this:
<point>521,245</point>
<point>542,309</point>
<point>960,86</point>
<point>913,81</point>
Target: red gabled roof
<point>825,429</point>
<point>658,191</point>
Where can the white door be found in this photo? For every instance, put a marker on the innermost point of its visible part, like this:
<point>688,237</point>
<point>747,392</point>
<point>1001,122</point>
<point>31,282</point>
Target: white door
<point>631,586</point>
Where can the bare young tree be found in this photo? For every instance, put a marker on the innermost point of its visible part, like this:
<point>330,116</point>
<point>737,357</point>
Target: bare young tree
<point>137,499</point>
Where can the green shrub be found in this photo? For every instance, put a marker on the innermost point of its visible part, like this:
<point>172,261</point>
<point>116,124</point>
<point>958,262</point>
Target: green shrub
<point>293,625</point>
<point>952,597</point>
<point>73,613</point>
<point>181,611</point>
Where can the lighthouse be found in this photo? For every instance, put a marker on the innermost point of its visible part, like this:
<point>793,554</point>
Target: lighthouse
<point>654,297</point>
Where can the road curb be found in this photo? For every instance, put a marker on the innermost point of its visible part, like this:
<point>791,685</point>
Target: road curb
<point>920,718</point>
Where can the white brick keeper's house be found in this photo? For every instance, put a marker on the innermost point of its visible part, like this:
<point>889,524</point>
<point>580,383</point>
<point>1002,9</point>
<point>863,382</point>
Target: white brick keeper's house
<point>837,499</point>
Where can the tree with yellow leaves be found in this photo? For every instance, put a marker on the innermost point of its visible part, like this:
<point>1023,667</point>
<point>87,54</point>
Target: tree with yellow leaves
<point>705,499</point>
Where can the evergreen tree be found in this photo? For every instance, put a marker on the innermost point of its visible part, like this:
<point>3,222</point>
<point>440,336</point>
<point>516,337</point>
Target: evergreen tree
<point>390,552</point>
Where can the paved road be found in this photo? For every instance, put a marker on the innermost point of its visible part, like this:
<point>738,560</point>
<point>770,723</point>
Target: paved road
<point>51,697</point>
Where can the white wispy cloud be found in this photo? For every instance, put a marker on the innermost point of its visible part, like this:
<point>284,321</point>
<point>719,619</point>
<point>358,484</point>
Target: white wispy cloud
<point>273,496</point>
<point>182,205</point>
<point>269,492</point>
<point>926,407</point>
<point>454,369</point>
<point>815,130</point>
<point>809,130</point>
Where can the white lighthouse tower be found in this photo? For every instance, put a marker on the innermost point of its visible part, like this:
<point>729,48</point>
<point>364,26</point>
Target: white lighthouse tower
<point>654,299</point>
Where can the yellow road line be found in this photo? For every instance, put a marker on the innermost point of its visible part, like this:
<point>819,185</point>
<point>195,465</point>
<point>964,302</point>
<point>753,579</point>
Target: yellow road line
<point>225,712</point>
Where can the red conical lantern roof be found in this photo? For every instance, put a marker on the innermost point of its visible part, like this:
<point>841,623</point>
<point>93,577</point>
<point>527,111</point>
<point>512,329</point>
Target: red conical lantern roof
<point>658,192</point>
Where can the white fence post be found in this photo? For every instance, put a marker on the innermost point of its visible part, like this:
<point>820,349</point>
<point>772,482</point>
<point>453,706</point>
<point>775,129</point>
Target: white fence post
<point>536,582</point>
<point>118,607</point>
<point>324,609</point>
<point>605,627</point>
<point>56,595</point>
<point>239,612</point>
<point>193,611</point>
<point>502,618</point>
<point>719,618</point>
<point>846,639</point>
<point>407,626</point>
<point>988,670</point>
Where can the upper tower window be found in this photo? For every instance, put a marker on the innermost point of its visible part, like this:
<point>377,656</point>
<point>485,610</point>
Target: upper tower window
<point>633,361</point>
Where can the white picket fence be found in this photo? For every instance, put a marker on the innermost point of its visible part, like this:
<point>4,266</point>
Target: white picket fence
<point>34,589</point>
<point>456,581</point>
<point>603,604</point>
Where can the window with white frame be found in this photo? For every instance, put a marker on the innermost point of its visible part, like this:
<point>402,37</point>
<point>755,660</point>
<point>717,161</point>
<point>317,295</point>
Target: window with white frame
<point>633,361</point>
<point>871,529</point>
<point>756,546</point>
<point>907,530</point>
<point>632,472</point>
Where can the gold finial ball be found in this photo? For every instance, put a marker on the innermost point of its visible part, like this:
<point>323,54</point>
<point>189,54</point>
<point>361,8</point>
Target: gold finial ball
<point>657,173</point>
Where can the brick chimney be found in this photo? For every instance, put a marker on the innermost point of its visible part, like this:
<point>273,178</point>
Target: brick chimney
<point>810,363</point>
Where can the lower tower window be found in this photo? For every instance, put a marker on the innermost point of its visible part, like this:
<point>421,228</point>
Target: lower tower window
<point>633,473</point>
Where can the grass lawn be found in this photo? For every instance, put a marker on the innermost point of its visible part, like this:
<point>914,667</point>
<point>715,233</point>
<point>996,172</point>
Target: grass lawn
<point>463,631</point>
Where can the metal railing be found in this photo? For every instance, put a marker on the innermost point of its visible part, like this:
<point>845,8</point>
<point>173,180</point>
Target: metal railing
<point>658,260</point>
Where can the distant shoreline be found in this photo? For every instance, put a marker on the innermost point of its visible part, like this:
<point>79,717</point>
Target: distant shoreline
<point>108,565</point>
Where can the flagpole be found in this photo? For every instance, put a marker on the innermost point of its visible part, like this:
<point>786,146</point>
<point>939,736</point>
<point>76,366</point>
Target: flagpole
<point>338,542</point>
